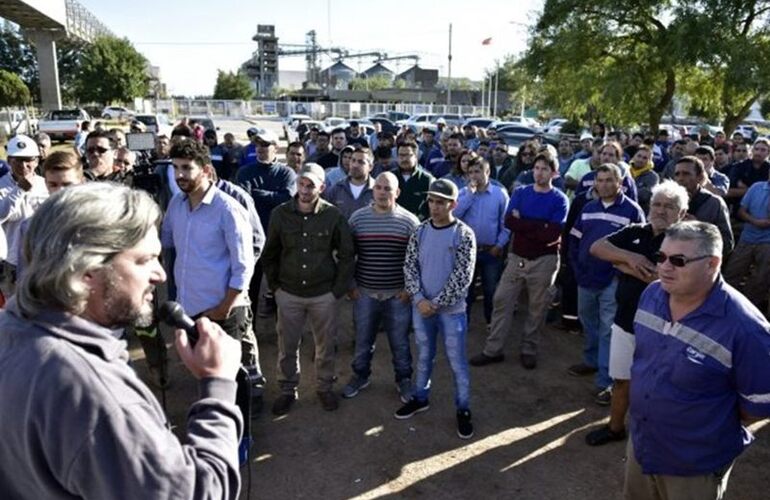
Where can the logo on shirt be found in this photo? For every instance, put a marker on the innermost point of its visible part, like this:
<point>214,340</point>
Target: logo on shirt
<point>695,355</point>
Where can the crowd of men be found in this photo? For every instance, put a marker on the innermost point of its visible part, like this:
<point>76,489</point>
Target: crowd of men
<point>632,238</point>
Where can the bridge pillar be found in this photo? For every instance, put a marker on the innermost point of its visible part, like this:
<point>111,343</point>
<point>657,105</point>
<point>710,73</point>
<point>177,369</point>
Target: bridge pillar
<point>45,46</point>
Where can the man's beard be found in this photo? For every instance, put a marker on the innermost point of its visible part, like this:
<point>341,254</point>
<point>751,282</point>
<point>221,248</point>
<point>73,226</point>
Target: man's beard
<point>121,312</point>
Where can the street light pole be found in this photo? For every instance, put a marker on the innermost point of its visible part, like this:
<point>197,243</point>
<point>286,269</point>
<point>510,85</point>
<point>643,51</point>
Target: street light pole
<point>449,71</point>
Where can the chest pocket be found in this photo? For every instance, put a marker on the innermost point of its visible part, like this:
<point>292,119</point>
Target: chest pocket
<point>321,239</point>
<point>694,372</point>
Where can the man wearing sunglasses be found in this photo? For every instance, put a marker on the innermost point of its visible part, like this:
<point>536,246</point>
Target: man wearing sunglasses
<point>700,372</point>
<point>100,155</point>
<point>633,251</point>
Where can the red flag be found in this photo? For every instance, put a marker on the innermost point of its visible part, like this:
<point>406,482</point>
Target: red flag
<point>486,41</point>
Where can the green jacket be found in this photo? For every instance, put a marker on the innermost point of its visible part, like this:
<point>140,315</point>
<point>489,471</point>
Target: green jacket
<point>414,191</point>
<point>308,254</point>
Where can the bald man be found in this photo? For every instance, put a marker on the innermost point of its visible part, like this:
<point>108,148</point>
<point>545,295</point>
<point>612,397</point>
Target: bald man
<point>381,232</point>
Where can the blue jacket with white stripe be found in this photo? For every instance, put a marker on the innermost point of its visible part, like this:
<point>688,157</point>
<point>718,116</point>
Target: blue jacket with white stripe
<point>594,223</point>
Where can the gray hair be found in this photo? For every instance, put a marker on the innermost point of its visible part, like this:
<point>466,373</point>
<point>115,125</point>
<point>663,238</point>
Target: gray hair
<point>706,236</point>
<point>76,231</point>
<point>672,191</point>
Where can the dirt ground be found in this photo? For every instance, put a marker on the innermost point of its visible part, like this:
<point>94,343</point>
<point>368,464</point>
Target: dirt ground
<point>529,431</point>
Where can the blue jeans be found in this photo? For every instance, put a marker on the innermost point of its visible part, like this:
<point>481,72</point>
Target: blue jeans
<point>490,268</point>
<point>454,328</point>
<point>368,312</point>
<point>596,310</point>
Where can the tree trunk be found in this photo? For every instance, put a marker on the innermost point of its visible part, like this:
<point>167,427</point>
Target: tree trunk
<point>656,111</point>
<point>733,119</point>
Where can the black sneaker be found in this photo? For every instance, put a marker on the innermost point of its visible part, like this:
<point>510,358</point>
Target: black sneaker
<point>464,425</point>
<point>410,408</point>
<point>329,400</point>
<point>282,405</point>
<point>581,370</point>
<point>528,361</point>
<point>482,359</point>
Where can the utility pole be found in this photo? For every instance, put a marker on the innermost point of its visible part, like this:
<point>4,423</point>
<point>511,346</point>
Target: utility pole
<point>483,81</point>
<point>449,72</point>
<point>497,77</point>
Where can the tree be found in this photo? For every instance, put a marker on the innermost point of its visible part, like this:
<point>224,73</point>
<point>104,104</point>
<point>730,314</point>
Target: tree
<point>608,61</point>
<point>377,82</point>
<point>111,70</point>
<point>13,92</point>
<point>233,85</point>
<point>735,61</point>
<point>18,56</point>
<point>515,78</point>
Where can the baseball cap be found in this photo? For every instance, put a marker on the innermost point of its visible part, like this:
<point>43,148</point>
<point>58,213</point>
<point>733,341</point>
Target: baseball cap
<point>586,136</point>
<point>443,188</point>
<point>252,131</point>
<point>441,120</point>
<point>314,172</point>
<point>22,146</point>
<point>266,135</point>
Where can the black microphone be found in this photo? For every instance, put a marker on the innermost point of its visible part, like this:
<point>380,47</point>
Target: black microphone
<point>173,314</point>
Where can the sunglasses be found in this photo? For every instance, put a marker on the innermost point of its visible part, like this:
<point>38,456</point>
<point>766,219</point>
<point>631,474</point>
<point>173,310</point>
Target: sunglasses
<point>96,150</point>
<point>677,260</point>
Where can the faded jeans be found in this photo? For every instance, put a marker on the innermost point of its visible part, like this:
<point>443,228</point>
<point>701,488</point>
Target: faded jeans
<point>596,310</point>
<point>453,328</point>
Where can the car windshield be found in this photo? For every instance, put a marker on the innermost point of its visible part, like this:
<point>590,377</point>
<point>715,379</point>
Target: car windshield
<point>147,120</point>
<point>65,114</point>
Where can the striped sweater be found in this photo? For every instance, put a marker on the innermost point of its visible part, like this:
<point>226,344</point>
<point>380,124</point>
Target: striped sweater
<point>381,240</point>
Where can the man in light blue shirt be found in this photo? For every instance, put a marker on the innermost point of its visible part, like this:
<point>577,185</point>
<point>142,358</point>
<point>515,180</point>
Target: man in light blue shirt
<point>213,239</point>
<point>481,205</point>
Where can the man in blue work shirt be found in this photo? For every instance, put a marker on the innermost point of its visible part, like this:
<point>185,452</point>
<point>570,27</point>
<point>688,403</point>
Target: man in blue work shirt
<point>596,278</point>
<point>700,372</point>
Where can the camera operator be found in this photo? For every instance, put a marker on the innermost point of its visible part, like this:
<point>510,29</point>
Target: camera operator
<point>90,428</point>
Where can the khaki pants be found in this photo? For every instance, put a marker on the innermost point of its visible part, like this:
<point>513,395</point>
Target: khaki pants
<point>321,311</point>
<point>536,276</point>
<point>640,486</point>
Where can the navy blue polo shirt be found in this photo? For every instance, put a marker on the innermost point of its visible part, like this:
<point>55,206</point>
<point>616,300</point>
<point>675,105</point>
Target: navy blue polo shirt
<point>690,377</point>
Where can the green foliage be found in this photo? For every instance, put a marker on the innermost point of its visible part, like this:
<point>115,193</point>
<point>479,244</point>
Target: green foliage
<point>111,70</point>
<point>233,85</point>
<point>623,62</point>
<point>377,82</point>
<point>13,91</point>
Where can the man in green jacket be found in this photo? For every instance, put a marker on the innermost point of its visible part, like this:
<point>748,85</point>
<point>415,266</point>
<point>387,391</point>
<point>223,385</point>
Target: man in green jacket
<point>309,262</point>
<point>413,181</point>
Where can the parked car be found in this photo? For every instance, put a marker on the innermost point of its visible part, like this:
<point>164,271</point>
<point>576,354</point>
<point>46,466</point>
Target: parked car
<point>16,122</point>
<point>158,123</point>
<point>450,119</point>
<point>748,131</point>
<point>206,121</point>
<point>554,126</point>
<point>63,124</point>
<point>393,116</point>
<point>117,113</point>
<point>385,124</point>
<point>334,122</point>
<point>478,122</point>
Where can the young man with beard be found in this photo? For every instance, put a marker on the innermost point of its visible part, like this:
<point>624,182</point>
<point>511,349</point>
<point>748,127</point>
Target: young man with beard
<point>413,181</point>
<point>308,261</point>
<point>100,154</point>
<point>356,191</point>
<point>535,216</point>
<point>332,159</point>
<point>93,267</point>
<point>633,251</point>
<point>213,240</point>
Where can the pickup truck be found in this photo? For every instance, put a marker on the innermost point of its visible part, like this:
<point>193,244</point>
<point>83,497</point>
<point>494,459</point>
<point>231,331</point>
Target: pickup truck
<point>63,124</point>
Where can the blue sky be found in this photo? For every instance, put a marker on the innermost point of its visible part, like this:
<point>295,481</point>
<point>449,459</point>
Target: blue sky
<point>191,39</point>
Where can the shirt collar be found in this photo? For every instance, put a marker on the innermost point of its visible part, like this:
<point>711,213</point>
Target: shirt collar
<point>295,206</point>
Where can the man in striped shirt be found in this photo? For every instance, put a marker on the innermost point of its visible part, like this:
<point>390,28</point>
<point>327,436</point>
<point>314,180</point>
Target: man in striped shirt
<point>381,233</point>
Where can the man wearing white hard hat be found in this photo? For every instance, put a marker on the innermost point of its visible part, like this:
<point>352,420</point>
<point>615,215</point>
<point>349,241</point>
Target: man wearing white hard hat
<point>21,192</point>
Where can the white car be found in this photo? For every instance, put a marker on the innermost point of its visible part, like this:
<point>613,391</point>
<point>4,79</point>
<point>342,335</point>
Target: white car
<point>158,124</point>
<point>116,113</point>
<point>16,122</point>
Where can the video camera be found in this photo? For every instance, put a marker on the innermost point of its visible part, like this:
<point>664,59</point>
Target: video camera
<point>145,176</point>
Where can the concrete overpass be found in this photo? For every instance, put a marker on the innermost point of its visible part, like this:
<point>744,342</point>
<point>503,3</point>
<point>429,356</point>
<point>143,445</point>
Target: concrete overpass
<point>44,22</point>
